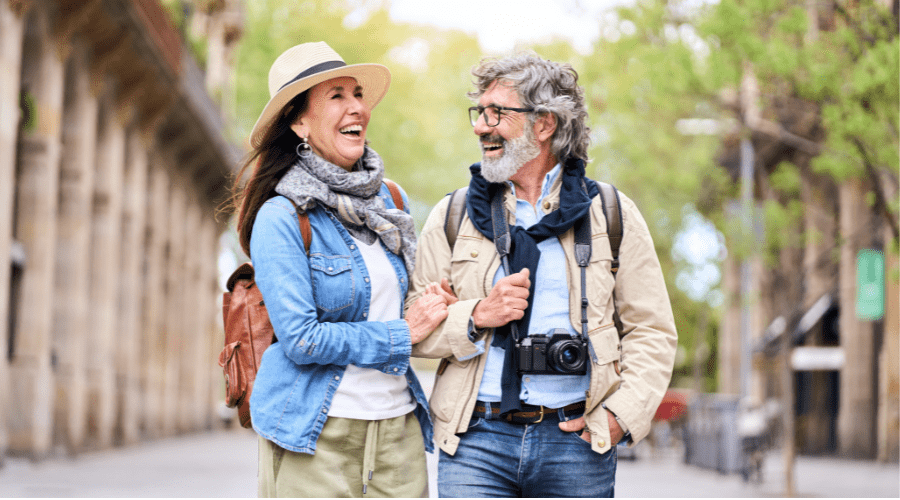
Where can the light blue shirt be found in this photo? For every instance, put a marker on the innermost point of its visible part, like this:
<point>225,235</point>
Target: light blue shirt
<point>549,310</point>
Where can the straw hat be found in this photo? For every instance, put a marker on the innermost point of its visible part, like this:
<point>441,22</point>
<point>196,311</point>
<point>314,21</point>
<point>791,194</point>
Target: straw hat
<point>302,67</point>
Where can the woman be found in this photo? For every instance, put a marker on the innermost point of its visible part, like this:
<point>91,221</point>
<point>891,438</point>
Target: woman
<point>338,410</point>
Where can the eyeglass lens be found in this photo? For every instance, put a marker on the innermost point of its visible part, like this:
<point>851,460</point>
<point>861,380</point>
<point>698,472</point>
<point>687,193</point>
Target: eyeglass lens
<point>491,116</point>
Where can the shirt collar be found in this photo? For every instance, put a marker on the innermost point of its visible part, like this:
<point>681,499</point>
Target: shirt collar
<point>549,179</point>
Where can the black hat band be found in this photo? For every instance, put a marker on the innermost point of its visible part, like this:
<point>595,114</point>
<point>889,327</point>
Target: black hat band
<point>318,68</point>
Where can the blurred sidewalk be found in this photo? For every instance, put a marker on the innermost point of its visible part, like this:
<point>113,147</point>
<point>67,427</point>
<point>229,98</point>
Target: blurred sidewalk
<point>223,464</point>
<point>662,473</point>
<point>218,464</point>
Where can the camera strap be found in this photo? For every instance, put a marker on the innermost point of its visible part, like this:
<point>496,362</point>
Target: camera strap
<point>583,258</point>
<point>503,242</point>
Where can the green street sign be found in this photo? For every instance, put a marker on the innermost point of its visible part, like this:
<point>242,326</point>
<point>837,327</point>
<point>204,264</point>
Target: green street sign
<point>869,285</point>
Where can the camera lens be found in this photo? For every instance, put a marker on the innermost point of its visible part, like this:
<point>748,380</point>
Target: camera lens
<point>567,356</point>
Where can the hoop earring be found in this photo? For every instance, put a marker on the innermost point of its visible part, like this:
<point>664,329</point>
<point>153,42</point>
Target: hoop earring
<point>303,146</point>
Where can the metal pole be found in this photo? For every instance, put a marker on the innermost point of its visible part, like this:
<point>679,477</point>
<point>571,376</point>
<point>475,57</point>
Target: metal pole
<point>747,159</point>
<point>787,403</point>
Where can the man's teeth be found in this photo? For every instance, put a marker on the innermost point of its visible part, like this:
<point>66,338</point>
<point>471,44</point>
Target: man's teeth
<point>351,129</point>
<point>491,146</point>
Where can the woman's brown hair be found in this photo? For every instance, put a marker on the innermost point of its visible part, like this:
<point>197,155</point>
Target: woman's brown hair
<point>268,163</point>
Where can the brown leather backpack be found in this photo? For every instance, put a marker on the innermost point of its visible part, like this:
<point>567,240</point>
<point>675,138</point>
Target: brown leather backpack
<point>248,331</point>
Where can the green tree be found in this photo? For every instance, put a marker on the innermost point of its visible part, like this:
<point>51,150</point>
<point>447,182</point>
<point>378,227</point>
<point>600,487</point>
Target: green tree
<point>420,128</point>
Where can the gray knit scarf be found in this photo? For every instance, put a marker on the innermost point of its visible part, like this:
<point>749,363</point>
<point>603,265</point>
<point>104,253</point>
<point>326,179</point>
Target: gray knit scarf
<point>353,198</point>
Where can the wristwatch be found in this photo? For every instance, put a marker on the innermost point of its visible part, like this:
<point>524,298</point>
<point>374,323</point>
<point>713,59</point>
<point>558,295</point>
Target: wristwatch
<point>474,332</point>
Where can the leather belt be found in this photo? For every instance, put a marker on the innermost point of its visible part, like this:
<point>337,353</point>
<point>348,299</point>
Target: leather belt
<point>530,414</point>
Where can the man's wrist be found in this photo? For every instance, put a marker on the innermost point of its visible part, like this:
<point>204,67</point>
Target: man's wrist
<point>473,331</point>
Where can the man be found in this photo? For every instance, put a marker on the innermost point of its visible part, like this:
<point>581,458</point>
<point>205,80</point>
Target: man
<point>506,428</point>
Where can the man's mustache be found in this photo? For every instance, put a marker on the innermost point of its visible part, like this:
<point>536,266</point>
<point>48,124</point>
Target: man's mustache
<point>496,139</point>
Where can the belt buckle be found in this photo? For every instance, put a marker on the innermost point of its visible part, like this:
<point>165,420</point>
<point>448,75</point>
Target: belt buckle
<point>542,415</point>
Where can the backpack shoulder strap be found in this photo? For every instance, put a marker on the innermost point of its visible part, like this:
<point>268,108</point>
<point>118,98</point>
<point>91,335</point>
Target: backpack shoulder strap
<point>456,209</point>
<point>305,228</point>
<point>395,193</point>
<point>612,210</point>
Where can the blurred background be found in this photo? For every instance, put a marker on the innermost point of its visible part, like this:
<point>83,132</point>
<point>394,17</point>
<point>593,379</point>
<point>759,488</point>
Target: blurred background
<point>759,138</point>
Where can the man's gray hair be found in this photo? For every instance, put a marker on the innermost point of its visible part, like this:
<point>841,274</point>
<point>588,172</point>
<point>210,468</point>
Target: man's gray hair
<point>548,87</point>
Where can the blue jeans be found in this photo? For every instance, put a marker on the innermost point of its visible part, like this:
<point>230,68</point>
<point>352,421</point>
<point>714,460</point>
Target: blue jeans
<point>499,459</point>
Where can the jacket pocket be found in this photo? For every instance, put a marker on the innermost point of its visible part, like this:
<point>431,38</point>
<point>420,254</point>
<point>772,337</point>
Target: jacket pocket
<point>448,386</point>
<point>333,284</point>
<point>600,279</point>
<point>605,368</point>
<point>467,267</point>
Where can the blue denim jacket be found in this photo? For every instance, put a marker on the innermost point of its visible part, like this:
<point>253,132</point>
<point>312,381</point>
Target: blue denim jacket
<point>318,307</point>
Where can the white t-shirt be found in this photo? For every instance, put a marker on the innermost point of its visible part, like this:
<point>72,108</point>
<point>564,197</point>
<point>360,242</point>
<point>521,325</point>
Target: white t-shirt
<point>366,393</point>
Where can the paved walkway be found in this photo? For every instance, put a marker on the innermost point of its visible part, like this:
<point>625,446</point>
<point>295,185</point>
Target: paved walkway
<point>223,464</point>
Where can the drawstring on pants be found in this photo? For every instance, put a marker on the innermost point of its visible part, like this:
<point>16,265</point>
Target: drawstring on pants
<point>369,453</point>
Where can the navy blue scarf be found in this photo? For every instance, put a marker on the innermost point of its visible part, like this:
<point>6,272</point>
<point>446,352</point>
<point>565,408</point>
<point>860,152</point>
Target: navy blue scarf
<point>574,204</point>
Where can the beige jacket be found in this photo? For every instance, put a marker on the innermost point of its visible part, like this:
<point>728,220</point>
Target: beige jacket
<point>632,372</point>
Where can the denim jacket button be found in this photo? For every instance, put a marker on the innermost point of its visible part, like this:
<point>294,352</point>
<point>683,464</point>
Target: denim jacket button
<point>396,369</point>
<point>352,247</point>
<point>367,279</point>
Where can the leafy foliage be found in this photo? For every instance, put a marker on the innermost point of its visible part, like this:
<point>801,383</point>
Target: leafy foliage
<point>420,128</point>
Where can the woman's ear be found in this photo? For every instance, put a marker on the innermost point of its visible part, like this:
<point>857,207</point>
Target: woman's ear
<point>544,127</point>
<point>300,128</point>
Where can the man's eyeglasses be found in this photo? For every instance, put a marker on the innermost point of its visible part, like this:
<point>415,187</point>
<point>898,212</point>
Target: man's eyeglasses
<point>492,114</point>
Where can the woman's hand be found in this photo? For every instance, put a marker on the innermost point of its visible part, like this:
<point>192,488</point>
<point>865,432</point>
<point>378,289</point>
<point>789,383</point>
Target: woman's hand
<point>444,290</point>
<point>426,313</point>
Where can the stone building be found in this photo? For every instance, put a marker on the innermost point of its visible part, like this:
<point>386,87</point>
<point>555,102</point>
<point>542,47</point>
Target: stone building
<point>794,311</point>
<point>114,164</point>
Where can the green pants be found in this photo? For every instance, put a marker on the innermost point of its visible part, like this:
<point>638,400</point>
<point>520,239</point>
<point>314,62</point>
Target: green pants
<point>354,458</point>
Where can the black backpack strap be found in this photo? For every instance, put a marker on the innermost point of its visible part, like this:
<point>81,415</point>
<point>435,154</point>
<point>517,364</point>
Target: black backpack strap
<point>456,209</point>
<point>612,210</point>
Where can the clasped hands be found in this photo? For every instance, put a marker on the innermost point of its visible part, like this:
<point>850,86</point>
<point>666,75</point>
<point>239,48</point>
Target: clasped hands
<point>506,302</point>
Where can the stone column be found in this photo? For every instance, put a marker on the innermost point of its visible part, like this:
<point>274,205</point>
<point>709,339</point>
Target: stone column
<point>819,271</point>
<point>210,301</point>
<point>12,30</point>
<point>191,333</point>
<point>154,319</point>
<point>889,378</point>
<point>131,291</point>
<point>72,319</point>
<point>175,307</point>
<point>35,227</point>
<point>106,236</point>
<point>856,413</point>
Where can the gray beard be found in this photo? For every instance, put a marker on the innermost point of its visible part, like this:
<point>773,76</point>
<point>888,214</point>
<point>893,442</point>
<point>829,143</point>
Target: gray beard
<point>516,152</point>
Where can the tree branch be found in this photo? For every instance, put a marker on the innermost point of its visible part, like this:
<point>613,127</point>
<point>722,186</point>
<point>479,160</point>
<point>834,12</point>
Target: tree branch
<point>880,197</point>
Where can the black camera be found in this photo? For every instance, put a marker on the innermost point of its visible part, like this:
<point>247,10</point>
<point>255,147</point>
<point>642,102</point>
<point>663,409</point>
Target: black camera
<point>558,352</point>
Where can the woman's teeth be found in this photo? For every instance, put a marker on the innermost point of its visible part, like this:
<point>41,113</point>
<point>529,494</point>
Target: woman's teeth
<point>352,129</point>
